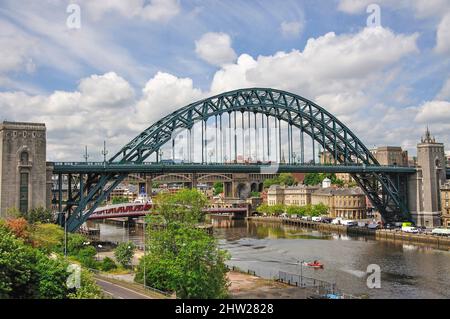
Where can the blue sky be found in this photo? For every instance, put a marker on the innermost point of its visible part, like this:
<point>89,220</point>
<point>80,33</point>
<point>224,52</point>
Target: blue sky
<point>138,60</point>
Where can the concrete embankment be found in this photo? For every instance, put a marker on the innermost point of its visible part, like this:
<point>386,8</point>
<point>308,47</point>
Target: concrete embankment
<point>379,234</point>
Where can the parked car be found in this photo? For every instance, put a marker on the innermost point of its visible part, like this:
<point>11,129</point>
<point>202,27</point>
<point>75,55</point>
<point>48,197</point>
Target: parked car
<point>441,231</point>
<point>327,220</point>
<point>306,217</point>
<point>373,226</point>
<point>317,219</point>
<point>410,229</point>
<point>362,224</point>
<point>349,223</point>
<point>336,221</point>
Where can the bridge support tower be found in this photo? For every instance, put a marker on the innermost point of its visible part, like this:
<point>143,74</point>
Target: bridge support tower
<point>424,186</point>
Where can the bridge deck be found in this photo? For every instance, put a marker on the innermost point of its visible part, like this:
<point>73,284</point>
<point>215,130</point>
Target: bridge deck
<point>100,167</point>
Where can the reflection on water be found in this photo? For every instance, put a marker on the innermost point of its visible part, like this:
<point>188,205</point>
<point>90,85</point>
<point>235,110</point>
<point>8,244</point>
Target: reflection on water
<point>407,271</point>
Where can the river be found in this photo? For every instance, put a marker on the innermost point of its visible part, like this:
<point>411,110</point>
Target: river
<point>407,271</point>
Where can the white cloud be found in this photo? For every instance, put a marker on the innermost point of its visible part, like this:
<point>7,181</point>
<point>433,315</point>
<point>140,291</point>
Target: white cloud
<point>109,90</point>
<point>328,64</point>
<point>156,10</point>
<point>444,93</point>
<point>101,108</point>
<point>443,36</point>
<point>291,29</point>
<point>215,48</point>
<point>434,112</point>
<point>163,94</point>
<point>421,8</point>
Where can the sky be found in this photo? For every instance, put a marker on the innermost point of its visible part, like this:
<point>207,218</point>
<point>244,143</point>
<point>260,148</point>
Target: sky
<point>96,70</point>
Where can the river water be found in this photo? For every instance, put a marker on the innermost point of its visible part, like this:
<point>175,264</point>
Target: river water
<point>407,271</point>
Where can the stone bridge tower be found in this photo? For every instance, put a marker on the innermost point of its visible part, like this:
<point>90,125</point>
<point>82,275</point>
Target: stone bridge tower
<point>424,186</point>
<point>23,169</point>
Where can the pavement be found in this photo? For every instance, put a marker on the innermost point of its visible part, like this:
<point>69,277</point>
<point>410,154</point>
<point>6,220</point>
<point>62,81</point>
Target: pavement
<point>117,291</point>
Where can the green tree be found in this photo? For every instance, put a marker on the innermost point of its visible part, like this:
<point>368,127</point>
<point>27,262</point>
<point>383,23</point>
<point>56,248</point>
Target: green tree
<point>186,260</point>
<point>312,179</point>
<point>255,194</point>
<point>108,264</point>
<point>182,257</point>
<point>39,215</point>
<point>124,252</point>
<point>119,200</point>
<point>218,188</point>
<point>185,206</point>
<point>286,179</point>
<point>319,210</point>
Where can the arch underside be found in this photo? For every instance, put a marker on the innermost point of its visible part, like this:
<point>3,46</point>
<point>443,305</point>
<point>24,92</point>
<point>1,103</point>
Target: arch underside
<point>295,110</point>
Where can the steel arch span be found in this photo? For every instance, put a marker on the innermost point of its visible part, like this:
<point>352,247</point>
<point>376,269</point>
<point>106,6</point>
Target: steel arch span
<point>383,189</point>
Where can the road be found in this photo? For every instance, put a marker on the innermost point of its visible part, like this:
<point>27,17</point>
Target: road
<point>119,292</point>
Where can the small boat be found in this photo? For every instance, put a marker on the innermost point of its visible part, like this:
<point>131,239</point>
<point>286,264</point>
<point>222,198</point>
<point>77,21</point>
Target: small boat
<point>315,264</point>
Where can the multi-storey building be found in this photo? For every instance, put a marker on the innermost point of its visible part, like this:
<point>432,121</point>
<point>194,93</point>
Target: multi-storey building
<point>391,155</point>
<point>290,195</point>
<point>445,204</point>
<point>342,202</point>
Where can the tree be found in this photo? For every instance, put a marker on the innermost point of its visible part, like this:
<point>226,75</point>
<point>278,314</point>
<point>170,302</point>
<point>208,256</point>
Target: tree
<point>124,252</point>
<point>282,179</point>
<point>218,188</point>
<point>186,260</point>
<point>255,194</point>
<point>19,227</point>
<point>182,257</point>
<point>39,215</point>
<point>286,179</point>
<point>319,210</point>
<point>185,206</point>
<point>312,179</point>
<point>119,200</point>
<point>108,264</point>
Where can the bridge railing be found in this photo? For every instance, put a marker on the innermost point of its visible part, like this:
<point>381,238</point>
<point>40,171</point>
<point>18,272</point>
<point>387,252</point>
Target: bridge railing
<point>99,164</point>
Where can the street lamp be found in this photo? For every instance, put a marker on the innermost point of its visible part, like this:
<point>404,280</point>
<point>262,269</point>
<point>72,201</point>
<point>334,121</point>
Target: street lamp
<point>145,237</point>
<point>210,154</point>
<point>104,152</point>
<point>294,155</point>
<point>86,155</point>
<point>99,246</point>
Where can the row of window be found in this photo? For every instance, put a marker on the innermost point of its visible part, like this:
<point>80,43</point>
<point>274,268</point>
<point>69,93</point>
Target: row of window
<point>24,134</point>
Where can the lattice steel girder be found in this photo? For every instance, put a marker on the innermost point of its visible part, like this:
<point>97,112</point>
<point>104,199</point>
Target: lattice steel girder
<point>313,120</point>
<point>259,100</point>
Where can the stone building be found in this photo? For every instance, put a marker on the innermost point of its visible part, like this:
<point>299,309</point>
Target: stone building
<point>290,195</point>
<point>342,202</point>
<point>25,177</point>
<point>424,186</point>
<point>445,204</point>
<point>391,155</point>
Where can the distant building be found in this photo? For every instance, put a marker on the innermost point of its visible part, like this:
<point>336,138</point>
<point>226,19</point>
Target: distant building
<point>445,204</point>
<point>342,202</point>
<point>391,155</point>
<point>290,195</point>
<point>25,177</point>
<point>124,192</point>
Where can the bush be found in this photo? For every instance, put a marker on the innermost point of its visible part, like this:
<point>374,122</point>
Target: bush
<point>107,264</point>
<point>124,252</point>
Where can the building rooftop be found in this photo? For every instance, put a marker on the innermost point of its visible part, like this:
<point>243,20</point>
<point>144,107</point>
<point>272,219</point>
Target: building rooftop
<point>339,191</point>
<point>22,125</point>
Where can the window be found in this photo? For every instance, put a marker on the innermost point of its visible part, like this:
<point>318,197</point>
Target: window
<point>23,193</point>
<point>24,157</point>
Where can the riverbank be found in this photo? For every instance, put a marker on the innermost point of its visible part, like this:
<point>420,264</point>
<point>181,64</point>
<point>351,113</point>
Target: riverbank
<point>434,241</point>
